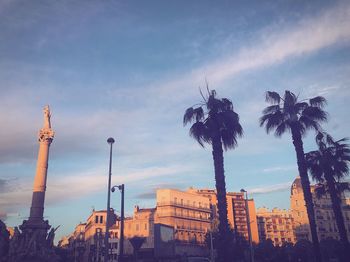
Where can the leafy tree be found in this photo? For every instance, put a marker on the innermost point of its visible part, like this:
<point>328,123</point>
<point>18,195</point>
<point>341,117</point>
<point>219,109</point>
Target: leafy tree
<point>331,249</point>
<point>4,241</point>
<point>216,123</point>
<point>238,245</point>
<point>329,165</point>
<point>288,114</point>
<point>302,251</point>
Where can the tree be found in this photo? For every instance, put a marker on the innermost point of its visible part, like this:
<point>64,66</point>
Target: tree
<point>4,241</point>
<point>289,114</point>
<point>216,123</point>
<point>329,165</point>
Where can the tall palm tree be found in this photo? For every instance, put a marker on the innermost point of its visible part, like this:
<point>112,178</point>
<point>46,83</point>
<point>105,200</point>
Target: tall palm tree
<point>329,165</point>
<point>216,123</point>
<point>288,114</point>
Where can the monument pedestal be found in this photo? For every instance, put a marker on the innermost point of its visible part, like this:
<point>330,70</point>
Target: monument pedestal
<point>33,243</point>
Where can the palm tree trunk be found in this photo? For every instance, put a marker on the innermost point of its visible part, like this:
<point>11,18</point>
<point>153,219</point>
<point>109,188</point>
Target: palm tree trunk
<point>305,183</point>
<point>223,245</point>
<point>336,205</point>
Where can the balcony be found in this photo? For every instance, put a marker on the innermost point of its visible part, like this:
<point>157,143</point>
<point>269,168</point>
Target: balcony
<point>183,205</point>
<point>183,216</point>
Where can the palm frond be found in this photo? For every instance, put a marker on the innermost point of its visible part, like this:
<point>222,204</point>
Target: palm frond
<point>188,116</point>
<point>315,113</point>
<point>271,109</point>
<point>320,190</point>
<point>281,129</point>
<point>199,132</point>
<point>289,101</point>
<point>307,124</point>
<point>198,114</point>
<point>271,121</point>
<point>272,97</point>
<point>227,104</point>
<point>300,106</point>
<point>228,139</point>
<point>318,101</point>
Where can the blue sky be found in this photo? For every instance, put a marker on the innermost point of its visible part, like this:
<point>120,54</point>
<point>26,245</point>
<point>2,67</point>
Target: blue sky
<point>129,69</point>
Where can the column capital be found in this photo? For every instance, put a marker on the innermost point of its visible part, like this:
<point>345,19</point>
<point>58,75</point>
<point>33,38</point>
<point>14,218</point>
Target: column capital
<point>46,135</point>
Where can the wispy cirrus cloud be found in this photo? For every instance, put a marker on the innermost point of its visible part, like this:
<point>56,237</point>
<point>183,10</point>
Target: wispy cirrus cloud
<point>266,189</point>
<point>279,169</point>
<point>79,185</point>
<point>275,45</point>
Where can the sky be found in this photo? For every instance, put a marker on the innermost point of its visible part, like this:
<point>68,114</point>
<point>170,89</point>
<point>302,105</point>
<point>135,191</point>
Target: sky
<point>130,69</point>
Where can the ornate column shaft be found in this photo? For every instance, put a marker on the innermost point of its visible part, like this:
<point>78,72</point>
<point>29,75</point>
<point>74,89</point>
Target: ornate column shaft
<point>46,135</point>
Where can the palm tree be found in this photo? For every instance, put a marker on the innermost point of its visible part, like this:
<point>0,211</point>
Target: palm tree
<point>289,114</point>
<point>329,165</point>
<point>216,123</point>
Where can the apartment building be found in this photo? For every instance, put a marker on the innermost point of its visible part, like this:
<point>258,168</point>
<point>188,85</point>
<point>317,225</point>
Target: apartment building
<point>325,220</point>
<point>236,211</point>
<point>187,212</point>
<point>277,225</point>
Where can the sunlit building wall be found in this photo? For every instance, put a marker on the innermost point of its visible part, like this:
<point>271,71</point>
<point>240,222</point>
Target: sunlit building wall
<point>236,211</point>
<point>276,225</point>
<point>187,212</point>
<point>324,215</point>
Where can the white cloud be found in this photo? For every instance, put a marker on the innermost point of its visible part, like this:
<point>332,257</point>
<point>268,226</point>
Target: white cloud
<point>265,189</point>
<point>279,169</point>
<point>306,37</point>
<point>82,184</point>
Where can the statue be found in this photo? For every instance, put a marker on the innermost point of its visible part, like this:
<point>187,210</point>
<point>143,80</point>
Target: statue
<point>47,116</point>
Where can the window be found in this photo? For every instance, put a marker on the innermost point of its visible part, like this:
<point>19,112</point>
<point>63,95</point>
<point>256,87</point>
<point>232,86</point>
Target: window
<point>137,227</point>
<point>145,226</point>
<point>175,200</point>
<point>101,219</point>
<point>96,219</point>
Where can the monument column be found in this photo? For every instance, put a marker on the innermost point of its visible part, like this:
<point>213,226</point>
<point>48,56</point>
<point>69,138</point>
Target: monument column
<point>46,135</point>
<point>35,240</point>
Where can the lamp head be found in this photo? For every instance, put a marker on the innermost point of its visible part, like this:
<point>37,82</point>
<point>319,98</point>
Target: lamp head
<point>110,140</point>
<point>113,189</point>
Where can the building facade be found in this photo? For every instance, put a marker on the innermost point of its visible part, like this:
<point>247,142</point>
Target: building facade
<point>277,225</point>
<point>325,220</point>
<point>236,211</point>
<point>187,212</point>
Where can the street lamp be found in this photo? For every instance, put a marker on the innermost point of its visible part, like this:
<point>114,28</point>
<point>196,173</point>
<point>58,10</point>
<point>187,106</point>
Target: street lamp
<point>248,225</point>
<point>110,141</point>
<point>121,241</point>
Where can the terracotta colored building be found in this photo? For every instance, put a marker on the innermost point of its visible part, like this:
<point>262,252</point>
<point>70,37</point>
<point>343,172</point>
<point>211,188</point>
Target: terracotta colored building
<point>277,225</point>
<point>236,211</point>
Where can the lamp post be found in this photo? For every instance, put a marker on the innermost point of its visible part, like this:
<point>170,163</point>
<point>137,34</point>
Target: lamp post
<point>110,141</point>
<point>248,225</point>
<point>121,241</point>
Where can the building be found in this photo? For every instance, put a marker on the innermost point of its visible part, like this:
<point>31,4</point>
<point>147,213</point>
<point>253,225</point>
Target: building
<point>140,225</point>
<point>277,225</point>
<point>325,220</point>
<point>87,241</point>
<point>187,212</point>
<point>177,226</point>
<point>236,211</point>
